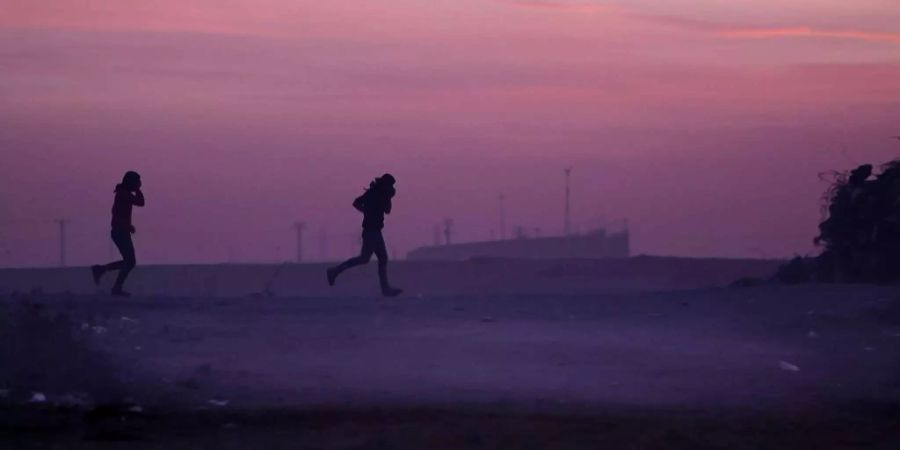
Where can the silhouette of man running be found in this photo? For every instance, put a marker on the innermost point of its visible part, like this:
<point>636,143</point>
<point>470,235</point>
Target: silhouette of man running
<point>374,204</point>
<point>128,195</point>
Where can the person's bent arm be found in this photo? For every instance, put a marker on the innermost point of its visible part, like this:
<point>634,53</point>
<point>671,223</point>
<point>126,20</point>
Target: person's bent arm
<point>138,198</point>
<point>359,203</point>
<point>387,206</point>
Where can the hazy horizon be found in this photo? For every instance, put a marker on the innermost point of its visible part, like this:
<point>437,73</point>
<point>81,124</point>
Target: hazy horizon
<point>704,124</point>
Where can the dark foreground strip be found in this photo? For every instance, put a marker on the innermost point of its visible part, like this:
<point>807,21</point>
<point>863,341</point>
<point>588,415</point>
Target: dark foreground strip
<point>869,427</point>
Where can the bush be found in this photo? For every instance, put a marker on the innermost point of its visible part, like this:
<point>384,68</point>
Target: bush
<point>860,230</point>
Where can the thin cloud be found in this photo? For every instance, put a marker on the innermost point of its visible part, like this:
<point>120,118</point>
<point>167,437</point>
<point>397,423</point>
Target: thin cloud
<point>748,32</point>
<point>716,29</point>
<point>564,6</point>
<point>808,32</point>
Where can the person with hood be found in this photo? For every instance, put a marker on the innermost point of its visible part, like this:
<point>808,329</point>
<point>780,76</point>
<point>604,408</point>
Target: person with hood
<point>128,195</point>
<point>374,204</point>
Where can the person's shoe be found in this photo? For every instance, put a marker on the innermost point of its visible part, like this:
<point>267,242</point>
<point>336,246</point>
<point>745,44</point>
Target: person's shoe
<point>331,274</point>
<point>120,293</point>
<point>391,292</point>
<point>97,272</point>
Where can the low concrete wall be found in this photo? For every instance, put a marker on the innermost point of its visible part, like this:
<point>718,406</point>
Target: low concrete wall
<point>595,245</point>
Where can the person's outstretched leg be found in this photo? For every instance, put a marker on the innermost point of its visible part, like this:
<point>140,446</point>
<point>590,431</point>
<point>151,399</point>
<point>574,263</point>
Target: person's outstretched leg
<point>99,270</point>
<point>382,254</point>
<point>122,238</point>
<point>365,255</point>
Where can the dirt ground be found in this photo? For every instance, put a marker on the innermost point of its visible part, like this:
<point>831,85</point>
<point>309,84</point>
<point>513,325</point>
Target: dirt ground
<point>760,367</point>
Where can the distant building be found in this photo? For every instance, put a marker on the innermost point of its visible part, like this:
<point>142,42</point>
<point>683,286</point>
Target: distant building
<point>596,244</point>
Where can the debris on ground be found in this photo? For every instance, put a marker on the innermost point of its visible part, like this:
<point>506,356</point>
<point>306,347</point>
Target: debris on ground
<point>784,365</point>
<point>78,400</point>
<point>219,403</point>
<point>38,397</point>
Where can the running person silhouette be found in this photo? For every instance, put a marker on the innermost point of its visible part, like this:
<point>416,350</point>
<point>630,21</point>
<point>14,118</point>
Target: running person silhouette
<point>374,204</point>
<point>128,195</point>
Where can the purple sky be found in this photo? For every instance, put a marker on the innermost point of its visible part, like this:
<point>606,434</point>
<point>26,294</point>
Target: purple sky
<point>705,123</point>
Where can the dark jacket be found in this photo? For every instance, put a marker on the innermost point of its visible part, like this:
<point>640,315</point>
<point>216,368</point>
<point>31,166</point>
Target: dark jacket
<point>122,205</point>
<point>374,204</point>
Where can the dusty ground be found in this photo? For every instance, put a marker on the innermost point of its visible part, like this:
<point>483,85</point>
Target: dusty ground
<point>763,367</point>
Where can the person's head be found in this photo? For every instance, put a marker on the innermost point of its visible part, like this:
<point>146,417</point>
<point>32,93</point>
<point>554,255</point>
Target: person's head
<point>131,181</point>
<point>386,180</point>
<point>385,184</point>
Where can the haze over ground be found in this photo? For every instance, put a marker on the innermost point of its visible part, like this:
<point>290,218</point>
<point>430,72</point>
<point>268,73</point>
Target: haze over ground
<point>704,124</point>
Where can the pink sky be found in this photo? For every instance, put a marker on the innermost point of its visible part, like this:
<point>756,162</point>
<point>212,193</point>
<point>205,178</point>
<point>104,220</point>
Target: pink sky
<point>705,123</point>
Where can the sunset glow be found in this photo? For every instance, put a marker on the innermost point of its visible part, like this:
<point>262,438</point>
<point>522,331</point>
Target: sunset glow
<point>704,123</point>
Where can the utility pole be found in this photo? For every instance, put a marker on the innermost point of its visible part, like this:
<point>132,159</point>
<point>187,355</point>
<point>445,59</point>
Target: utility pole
<point>62,241</point>
<point>448,230</point>
<point>502,217</point>
<point>520,232</point>
<point>300,228</point>
<point>567,222</point>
